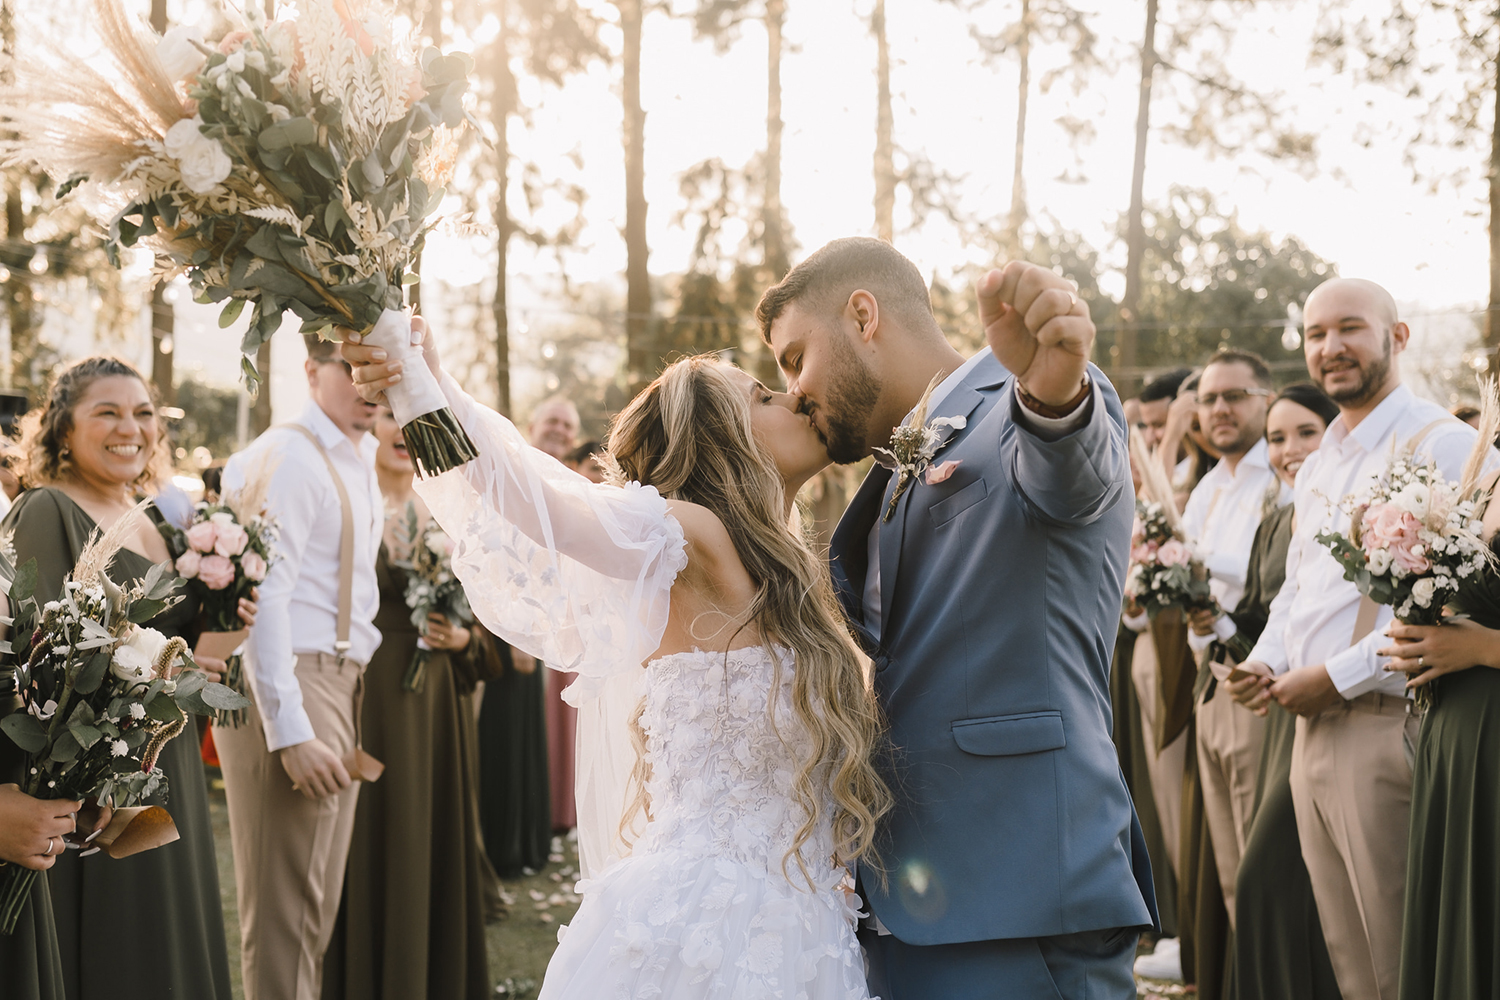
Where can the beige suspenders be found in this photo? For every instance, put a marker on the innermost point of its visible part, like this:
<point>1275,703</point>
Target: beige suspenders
<point>1364,621</point>
<point>346,547</point>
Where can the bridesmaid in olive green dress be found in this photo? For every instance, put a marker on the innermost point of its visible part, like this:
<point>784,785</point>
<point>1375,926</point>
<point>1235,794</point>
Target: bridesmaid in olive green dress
<point>85,453</point>
<point>1450,948</point>
<point>411,924</point>
<point>1279,950</point>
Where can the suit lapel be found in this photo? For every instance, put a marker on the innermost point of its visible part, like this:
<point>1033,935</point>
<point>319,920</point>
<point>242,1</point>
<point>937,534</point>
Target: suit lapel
<point>962,401</point>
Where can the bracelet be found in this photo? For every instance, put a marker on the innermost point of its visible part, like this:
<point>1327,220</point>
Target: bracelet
<point>1042,409</point>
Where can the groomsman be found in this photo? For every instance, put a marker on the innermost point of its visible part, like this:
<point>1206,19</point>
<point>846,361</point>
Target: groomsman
<point>1351,783</point>
<point>291,798</point>
<point>1221,516</point>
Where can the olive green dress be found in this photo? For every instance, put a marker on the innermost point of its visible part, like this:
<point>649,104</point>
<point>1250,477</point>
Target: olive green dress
<point>30,965</point>
<point>1450,947</point>
<point>1279,950</point>
<point>411,924</point>
<point>514,803</point>
<point>162,907</point>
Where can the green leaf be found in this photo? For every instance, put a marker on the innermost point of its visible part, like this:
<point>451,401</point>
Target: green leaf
<point>292,132</point>
<point>86,736</point>
<point>145,609</point>
<point>231,313</point>
<point>25,731</point>
<point>223,698</point>
<point>410,278</point>
<point>92,674</point>
<point>162,709</point>
<point>65,750</point>
<point>24,584</point>
<point>190,682</point>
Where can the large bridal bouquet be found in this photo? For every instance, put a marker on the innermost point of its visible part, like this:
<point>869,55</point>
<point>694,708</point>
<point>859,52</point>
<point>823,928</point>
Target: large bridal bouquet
<point>223,555</point>
<point>101,693</point>
<point>288,166</point>
<point>430,587</point>
<point>1164,572</point>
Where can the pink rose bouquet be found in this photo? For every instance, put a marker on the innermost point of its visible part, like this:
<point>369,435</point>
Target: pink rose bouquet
<point>223,555</point>
<point>1413,536</point>
<point>1164,571</point>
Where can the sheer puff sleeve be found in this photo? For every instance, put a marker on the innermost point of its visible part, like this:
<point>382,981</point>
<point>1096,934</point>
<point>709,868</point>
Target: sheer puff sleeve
<point>577,574</point>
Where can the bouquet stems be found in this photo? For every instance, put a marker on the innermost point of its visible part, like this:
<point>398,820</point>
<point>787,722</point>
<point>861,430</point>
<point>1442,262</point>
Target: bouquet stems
<point>437,442</point>
<point>416,674</point>
<point>15,887</point>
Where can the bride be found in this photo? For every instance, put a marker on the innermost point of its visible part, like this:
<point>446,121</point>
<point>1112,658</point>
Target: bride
<point>753,784</point>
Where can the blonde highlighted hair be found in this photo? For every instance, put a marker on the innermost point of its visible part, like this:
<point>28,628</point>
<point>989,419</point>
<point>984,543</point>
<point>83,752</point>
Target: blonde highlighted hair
<point>689,435</point>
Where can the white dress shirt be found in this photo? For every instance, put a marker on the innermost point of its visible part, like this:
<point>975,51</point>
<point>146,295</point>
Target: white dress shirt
<point>299,598</point>
<point>1055,426</point>
<point>1312,618</point>
<point>1220,520</point>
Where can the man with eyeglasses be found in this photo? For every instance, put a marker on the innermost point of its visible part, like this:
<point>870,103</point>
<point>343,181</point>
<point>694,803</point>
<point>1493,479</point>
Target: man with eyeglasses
<point>1221,516</point>
<point>290,794</point>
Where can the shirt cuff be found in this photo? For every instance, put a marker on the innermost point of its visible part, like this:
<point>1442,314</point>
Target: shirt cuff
<point>1352,674</point>
<point>1136,623</point>
<point>1198,643</point>
<point>1224,628</point>
<point>1056,428</point>
<point>292,728</point>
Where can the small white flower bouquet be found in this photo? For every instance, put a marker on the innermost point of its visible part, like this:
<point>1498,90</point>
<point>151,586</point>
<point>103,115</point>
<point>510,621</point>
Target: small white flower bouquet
<point>288,165</point>
<point>431,587</point>
<point>101,694</point>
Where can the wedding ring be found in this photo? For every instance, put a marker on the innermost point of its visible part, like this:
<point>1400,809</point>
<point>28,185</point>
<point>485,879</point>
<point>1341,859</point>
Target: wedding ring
<point>48,852</point>
<point>1072,302</point>
<point>1419,662</point>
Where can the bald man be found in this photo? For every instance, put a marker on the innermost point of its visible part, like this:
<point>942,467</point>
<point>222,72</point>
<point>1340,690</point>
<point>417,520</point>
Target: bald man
<point>1351,783</point>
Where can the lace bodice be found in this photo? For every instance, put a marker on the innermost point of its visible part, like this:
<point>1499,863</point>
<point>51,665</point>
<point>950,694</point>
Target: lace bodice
<point>723,764</point>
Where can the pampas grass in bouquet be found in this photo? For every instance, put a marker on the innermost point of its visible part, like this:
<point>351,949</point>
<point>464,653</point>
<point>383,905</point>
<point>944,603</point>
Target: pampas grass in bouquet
<point>286,164</point>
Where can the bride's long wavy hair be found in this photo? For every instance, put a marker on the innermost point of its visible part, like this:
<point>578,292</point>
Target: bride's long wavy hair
<point>689,435</point>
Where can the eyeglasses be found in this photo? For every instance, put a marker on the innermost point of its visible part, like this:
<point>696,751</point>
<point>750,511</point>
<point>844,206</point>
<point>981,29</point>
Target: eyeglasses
<point>1231,397</point>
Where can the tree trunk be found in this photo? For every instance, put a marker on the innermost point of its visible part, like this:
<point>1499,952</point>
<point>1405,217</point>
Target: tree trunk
<point>503,103</point>
<point>885,158</point>
<point>19,299</point>
<point>1492,315</point>
<point>1018,178</point>
<point>644,353</point>
<point>1125,343</point>
<point>776,257</point>
<point>163,318</point>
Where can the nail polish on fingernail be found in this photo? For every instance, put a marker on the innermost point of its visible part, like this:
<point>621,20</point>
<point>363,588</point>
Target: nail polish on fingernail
<point>395,378</point>
<point>93,835</point>
<point>91,850</point>
<point>377,354</point>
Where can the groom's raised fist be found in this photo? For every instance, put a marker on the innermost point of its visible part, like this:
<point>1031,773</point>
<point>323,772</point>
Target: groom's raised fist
<point>1038,328</point>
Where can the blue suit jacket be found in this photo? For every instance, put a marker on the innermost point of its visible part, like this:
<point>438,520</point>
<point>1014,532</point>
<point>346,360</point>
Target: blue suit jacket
<point>1000,599</point>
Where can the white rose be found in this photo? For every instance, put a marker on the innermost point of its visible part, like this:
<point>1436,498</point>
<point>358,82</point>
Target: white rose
<point>201,160</point>
<point>1379,561</point>
<point>177,53</point>
<point>135,658</point>
<point>1414,497</point>
<point>223,518</point>
<point>1422,592</point>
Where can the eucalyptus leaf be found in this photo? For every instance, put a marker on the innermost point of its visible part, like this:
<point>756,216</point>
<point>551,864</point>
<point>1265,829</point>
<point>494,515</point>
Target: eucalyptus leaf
<point>24,584</point>
<point>25,731</point>
<point>231,313</point>
<point>86,736</point>
<point>224,698</point>
<point>163,709</point>
<point>66,749</point>
<point>145,609</point>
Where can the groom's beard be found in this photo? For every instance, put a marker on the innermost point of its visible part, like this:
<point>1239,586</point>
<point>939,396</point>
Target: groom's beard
<point>853,392</point>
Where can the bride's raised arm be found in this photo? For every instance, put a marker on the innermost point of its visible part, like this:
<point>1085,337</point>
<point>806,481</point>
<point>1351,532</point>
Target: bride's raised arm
<point>575,573</point>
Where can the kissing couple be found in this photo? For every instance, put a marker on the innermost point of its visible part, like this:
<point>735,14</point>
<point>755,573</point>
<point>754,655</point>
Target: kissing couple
<point>760,790</point>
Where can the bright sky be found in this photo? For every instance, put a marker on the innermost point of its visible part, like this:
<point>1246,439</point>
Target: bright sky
<point>1362,210</point>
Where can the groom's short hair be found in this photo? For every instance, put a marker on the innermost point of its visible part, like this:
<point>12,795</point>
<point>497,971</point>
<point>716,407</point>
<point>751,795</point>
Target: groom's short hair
<point>823,282</point>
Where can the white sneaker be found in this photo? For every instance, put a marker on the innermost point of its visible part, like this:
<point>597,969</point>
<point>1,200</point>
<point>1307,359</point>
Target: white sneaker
<point>1163,963</point>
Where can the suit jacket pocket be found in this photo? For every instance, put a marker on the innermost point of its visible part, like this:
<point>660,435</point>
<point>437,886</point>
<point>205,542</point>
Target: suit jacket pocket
<point>1009,735</point>
<point>948,508</point>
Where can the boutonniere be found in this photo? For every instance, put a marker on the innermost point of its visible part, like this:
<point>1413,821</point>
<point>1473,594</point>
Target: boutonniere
<point>915,443</point>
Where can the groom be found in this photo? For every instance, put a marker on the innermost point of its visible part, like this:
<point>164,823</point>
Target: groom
<point>987,592</point>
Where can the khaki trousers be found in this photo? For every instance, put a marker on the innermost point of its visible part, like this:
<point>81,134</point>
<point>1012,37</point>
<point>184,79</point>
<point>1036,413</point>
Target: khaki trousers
<point>1229,742</point>
<point>1351,787</point>
<point>289,850</point>
<point>1167,766</point>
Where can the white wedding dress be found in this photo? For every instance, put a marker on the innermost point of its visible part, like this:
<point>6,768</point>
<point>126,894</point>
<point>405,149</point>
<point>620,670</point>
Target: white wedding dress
<point>706,903</point>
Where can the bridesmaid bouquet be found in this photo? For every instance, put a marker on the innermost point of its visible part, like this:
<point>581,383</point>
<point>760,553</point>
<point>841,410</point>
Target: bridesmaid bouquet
<point>431,588</point>
<point>1414,537</point>
<point>1164,571</point>
<point>223,555</point>
<point>288,166</point>
<point>101,694</point>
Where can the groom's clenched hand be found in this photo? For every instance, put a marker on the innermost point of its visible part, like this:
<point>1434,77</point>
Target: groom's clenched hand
<point>1038,328</point>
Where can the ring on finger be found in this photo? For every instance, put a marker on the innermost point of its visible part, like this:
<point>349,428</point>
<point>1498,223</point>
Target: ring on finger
<point>1072,302</point>
<point>1419,662</point>
<point>48,852</point>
